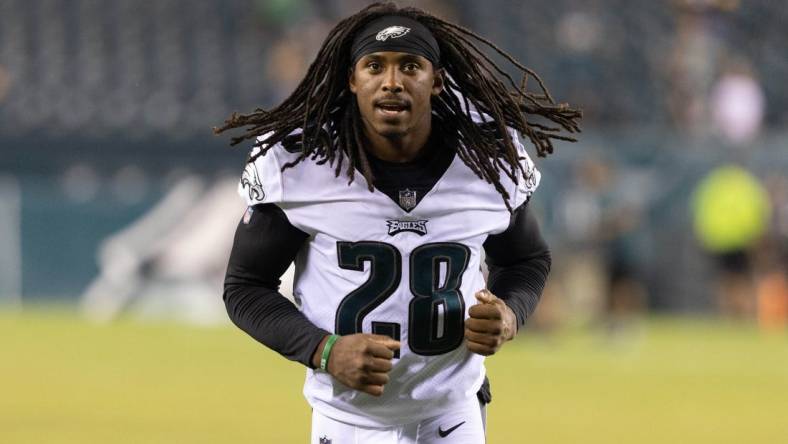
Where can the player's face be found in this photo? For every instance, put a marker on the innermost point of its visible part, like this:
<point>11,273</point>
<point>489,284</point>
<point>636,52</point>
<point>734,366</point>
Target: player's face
<point>393,91</point>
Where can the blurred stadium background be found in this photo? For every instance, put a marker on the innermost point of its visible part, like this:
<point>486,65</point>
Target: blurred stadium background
<point>665,316</point>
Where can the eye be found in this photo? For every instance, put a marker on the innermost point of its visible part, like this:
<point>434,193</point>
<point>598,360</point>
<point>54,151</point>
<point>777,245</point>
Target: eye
<point>410,66</point>
<point>373,66</point>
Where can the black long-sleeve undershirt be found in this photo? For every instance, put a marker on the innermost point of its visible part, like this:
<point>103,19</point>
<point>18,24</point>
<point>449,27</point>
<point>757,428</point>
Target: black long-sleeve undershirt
<point>262,250</point>
<point>518,260</point>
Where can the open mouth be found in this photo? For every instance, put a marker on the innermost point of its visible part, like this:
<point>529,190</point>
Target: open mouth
<point>392,107</point>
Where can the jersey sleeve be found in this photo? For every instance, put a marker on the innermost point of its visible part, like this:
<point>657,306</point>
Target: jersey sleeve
<point>261,181</point>
<point>527,183</point>
<point>528,179</point>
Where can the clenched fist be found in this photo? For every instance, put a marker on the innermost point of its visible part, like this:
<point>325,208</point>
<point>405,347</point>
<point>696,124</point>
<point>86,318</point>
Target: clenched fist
<point>360,361</point>
<point>491,323</point>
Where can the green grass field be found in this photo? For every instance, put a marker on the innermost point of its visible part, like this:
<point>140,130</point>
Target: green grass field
<point>675,381</point>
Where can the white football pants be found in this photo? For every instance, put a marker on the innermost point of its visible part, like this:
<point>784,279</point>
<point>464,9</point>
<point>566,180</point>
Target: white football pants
<point>465,425</point>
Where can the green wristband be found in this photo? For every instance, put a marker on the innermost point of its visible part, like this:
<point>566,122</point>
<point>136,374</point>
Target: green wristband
<point>327,351</point>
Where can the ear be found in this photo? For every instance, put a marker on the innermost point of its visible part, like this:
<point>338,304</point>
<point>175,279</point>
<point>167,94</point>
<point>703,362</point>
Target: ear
<point>437,81</point>
<point>352,80</point>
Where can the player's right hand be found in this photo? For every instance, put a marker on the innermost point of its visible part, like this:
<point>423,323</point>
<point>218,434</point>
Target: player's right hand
<point>362,361</point>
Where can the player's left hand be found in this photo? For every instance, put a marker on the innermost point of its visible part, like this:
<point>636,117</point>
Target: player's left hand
<point>491,323</point>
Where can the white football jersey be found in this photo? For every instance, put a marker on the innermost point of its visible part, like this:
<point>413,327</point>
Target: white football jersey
<point>369,266</point>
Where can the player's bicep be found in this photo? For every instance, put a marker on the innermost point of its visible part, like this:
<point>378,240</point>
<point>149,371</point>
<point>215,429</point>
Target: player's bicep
<point>265,245</point>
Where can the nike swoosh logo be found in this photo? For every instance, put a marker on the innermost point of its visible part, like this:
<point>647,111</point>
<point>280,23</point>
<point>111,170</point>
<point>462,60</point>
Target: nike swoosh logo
<point>445,433</point>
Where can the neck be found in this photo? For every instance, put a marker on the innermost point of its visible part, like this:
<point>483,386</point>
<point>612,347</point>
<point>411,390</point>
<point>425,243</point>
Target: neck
<point>400,148</point>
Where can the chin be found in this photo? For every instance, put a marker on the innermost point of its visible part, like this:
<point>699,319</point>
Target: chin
<point>391,131</point>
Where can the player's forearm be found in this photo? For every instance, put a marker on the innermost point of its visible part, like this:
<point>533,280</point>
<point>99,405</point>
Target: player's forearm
<point>519,262</point>
<point>521,285</point>
<point>265,245</point>
<point>274,321</point>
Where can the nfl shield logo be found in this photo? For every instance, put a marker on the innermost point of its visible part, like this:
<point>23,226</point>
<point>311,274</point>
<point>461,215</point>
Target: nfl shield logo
<point>407,199</point>
<point>324,440</point>
<point>248,215</point>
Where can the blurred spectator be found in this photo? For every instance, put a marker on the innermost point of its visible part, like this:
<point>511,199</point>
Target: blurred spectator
<point>692,66</point>
<point>772,292</point>
<point>737,103</point>
<point>772,260</point>
<point>5,82</point>
<point>731,213</point>
<point>285,66</point>
<point>598,274</point>
<point>579,31</point>
<point>582,269</point>
<point>626,295</point>
<point>289,56</point>
<point>282,12</point>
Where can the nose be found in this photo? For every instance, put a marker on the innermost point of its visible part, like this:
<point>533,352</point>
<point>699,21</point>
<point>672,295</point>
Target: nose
<point>392,82</point>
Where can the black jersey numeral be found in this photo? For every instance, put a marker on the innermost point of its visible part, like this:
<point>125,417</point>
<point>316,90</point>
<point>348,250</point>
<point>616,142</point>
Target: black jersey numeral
<point>384,276</point>
<point>436,312</point>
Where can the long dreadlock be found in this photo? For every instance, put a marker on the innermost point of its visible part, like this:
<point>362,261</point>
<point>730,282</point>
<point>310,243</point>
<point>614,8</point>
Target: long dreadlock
<point>323,107</point>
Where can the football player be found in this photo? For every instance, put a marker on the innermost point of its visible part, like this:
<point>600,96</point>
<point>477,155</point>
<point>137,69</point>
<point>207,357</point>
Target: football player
<point>385,176</point>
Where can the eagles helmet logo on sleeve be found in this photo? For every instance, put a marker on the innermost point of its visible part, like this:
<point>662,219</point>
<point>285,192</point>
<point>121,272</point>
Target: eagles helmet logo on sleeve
<point>530,175</point>
<point>393,32</point>
<point>250,181</point>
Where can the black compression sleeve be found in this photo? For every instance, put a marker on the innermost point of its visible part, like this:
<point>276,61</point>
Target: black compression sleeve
<point>262,250</point>
<point>519,261</point>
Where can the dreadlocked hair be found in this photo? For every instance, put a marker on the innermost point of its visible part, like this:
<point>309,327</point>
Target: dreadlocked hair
<point>327,114</point>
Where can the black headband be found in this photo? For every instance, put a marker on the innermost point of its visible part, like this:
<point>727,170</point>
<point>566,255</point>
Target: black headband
<point>395,33</point>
